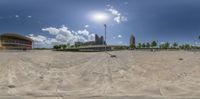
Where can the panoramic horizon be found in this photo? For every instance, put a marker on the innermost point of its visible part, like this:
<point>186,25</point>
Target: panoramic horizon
<point>100,49</point>
<point>50,22</point>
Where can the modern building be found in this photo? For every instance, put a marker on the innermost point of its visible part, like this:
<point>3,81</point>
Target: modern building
<point>98,41</point>
<point>12,41</point>
<point>132,40</point>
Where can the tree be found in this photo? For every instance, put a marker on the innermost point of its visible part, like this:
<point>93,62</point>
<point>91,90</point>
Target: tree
<point>165,45</point>
<point>68,45</point>
<point>175,45</point>
<point>153,44</point>
<point>143,45</point>
<point>139,45</point>
<point>187,46</point>
<point>55,47</point>
<point>148,45</point>
<point>181,47</point>
<point>64,46</point>
<point>77,45</point>
<point>132,46</point>
<point>199,37</point>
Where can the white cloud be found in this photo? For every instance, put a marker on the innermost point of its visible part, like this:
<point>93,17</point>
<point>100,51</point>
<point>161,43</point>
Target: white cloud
<point>42,41</point>
<point>118,17</point>
<point>53,30</point>
<point>114,37</point>
<point>87,26</point>
<point>119,36</point>
<point>63,35</point>
<point>17,16</point>
<point>29,16</point>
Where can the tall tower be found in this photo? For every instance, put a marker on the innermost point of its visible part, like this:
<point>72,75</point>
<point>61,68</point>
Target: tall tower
<point>96,39</point>
<point>132,40</point>
<point>102,40</point>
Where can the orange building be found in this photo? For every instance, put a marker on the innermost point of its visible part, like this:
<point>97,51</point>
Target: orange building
<point>12,41</point>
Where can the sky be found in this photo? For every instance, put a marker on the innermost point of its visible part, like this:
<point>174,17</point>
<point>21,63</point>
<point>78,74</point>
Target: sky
<point>50,22</point>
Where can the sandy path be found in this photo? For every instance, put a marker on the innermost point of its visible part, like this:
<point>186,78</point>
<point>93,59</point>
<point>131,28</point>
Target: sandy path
<point>134,74</point>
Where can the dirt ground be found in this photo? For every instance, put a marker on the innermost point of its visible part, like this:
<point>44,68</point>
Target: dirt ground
<point>77,75</point>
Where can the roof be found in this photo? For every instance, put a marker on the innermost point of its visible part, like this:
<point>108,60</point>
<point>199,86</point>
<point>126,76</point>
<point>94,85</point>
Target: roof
<point>16,35</point>
<point>97,46</point>
<point>92,46</point>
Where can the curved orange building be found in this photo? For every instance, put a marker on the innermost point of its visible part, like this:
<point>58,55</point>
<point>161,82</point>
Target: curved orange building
<point>12,41</point>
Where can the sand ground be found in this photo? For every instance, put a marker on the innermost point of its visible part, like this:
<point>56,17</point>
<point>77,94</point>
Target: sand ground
<point>131,75</point>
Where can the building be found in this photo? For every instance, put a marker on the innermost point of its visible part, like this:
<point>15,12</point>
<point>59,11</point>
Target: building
<point>94,48</point>
<point>98,45</point>
<point>98,48</point>
<point>12,41</point>
<point>132,40</point>
<point>98,41</point>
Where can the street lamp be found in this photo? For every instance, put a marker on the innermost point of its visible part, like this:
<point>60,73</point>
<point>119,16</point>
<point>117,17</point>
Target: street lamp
<point>105,26</point>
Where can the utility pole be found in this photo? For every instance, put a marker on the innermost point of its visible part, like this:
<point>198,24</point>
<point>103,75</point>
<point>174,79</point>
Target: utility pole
<point>105,26</point>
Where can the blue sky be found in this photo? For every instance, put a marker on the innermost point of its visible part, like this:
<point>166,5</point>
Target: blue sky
<point>49,22</point>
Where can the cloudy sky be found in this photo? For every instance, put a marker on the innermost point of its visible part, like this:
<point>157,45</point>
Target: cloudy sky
<point>50,22</point>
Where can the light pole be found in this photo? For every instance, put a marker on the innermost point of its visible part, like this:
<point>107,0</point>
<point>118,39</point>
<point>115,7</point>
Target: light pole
<point>105,26</point>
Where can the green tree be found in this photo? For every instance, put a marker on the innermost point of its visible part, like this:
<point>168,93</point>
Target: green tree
<point>199,37</point>
<point>77,45</point>
<point>143,45</point>
<point>68,45</point>
<point>64,46</point>
<point>165,45</point>
<point>153,44</point>
<point>56,47</point>
<point>139,45</point>
<point>187,46</point>
<point>175,45</point>
<point>181,46</point>
<point>148,45</point>
<point>132,46</point>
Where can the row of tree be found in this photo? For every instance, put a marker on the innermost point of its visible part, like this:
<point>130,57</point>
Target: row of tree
<point>62,46</point>
<point>166,45</point>
<point>154,44</point>
<point>147,45</point>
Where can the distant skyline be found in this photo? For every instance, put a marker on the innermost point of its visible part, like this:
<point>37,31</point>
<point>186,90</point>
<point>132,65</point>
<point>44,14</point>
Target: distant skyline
<point>50,22</point>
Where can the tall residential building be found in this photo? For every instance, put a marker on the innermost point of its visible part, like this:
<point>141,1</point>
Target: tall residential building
<point>132,40</point>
